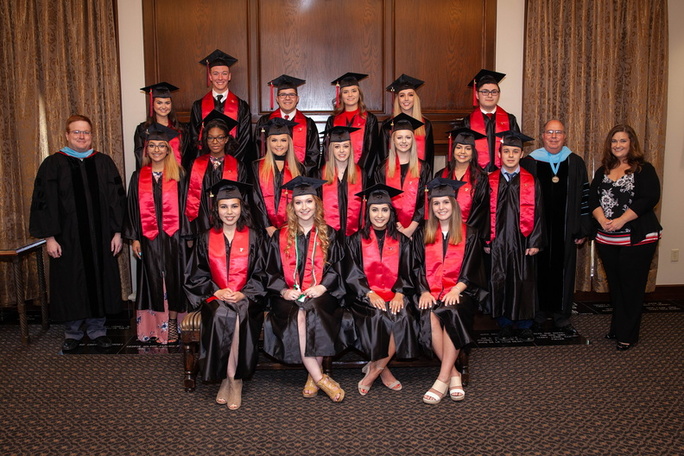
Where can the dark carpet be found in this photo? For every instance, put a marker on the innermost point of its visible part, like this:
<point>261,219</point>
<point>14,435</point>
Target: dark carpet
<point>535,400</point>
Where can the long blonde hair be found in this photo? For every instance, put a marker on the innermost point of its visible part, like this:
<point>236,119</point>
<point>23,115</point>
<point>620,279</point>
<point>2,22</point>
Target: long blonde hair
<point>172,169</point>
<point>320,226</point>
<point>269,162</point>
<point>416,113</point>
<point>331,169</point>
<point>413,168</point>
<point>432,225</point>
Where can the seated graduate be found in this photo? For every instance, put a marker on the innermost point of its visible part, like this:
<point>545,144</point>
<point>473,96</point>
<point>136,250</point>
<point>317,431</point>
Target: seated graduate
<point>344,181</point>
<point>277,167</point>
<point>305,289</point>
<point>224,277</point>
<point>216,164</point>
<point>404,170</point>
<point>450,281</point>
<point>153,225</point>
<point>377,273</point>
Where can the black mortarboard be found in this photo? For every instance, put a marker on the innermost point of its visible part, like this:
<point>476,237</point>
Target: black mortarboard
<point>486,77</point>
<point>279,126</point>
<point>302,185</point>
<point>218,58</point>
<point>159,132</point>
<point>465,136</point>
<point>339,133</point>
<point>404,82</point>
<point>160,89</point>
<point>286,82</point>
<point>440,186</point>
<point>405,122</point>
<point>513,138</point>
<point>349,79</point>
<point>215,115</point>
<point>379,194</point>
<point>227,189</point>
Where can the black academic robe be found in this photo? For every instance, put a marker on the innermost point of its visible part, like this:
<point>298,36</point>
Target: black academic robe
<point>458,319</point>
<point>162,261</point>
<point>370,159</point>
<point>373,326</point>
<point>479,208</point>
<point>324,315</point>
<point>313,143</point>
<point>342,200</point>
<point>245,151</point>
<point>259,212</point>
<point>218,317</point>
<point>423,179</point>
<point>386,135</point>
<point>81,203</point>
<point>139,142</point>
<point>490,131</point>
<point>513,280</point>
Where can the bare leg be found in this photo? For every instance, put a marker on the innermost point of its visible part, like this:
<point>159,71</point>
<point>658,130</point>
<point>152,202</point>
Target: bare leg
<point>444,350</point>
<point>234,347</point>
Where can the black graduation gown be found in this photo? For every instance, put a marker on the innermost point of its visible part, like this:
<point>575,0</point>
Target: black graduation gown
<point>245,151</point>
<point>490,132</point>
<point>479,209</point>
<point>424,178</point>
<point>218,317</point>
<point>81,203</point>
<point>313,143</point>
<point>458,319</point>
<point>370,159</point>
<point>139,141</point>
<point>323,314</point>
<point>374,327</point>
<point>386,135</point>
<point>259,212</point>
<point>342,199</point>
<point>513,282</point>
<point>162,258</point>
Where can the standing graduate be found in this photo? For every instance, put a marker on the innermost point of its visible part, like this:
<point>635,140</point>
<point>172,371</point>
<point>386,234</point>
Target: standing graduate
<point>377,273</point>
<point>407,101</point>
<point>278,167</point>
<point>344,181</point>
<point>217,163</point>
<point>153,226</point>
<point>404,170</point>
<point>350,111</point>
<point>224,278</point>
<point>305,287</point>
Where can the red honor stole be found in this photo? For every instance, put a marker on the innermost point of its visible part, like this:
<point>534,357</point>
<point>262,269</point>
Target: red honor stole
<point>239,259</point>
<point>381,271</point>
<point>199,169</point>
<point>230,108</point>
<point>405,203</point>
<point>298,134</point>
<point>148,213</point>
<point>420,145</point>
<point>442,272</point>
<point>268,191</point>
<point>464,198</point>
<point>311,277</point>
<point>527,205</point>
<point>175,144</point>
<point>332,204</point>
<point>356,121</point>
<point>477,123</point>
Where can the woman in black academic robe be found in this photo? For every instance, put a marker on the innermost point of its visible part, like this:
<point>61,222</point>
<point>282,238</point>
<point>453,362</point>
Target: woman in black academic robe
<point>377,271</point>
<point>304,323</point>
<point>450,280</point>
<point>224,277</point>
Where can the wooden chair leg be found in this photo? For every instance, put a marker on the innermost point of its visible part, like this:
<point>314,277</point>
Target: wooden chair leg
<point>463,365</point>
<point>190,362</point>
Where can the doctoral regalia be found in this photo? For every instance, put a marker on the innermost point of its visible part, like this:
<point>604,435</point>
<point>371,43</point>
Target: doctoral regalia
<point>425,144</point>
<point>364,141</point>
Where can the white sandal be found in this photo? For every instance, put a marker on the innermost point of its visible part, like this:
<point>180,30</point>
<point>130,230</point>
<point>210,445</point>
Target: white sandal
<point>432,398</point>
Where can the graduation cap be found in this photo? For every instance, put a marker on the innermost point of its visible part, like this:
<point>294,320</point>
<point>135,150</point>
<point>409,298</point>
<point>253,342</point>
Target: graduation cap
<point>159,90</point>
<point>405,122</point>
<point>217,116</point>
<point>228,189</point>
<point>339,133</point>
<point>379,194</point>
<point>513,138</point>
<point>440,186</point>
<point>464,136</point>
<point>279,126</point>
<point>302,185</point>
<point>159,132</point>
<point>349,79</point>
<point>484,77</point>
<point>218,58</point>
<point>284,81</point>
<point>404,82</point>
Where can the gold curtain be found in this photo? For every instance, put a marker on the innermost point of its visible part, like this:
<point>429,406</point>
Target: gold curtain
<point>595,64</point>
<point>58,58</point>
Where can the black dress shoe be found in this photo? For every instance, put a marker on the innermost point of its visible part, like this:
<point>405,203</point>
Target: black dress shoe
<point>568,330</point>
<point>506,333</point>
<point>610,336</point>
<point>70,344</point>
<point>622,346</point>
<point>103,342</point>
<point>526,335</point>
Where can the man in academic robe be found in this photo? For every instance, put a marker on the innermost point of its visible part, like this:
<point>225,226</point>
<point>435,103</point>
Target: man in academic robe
<point>305,138</point>
<point>488,118</point>
<point>562,176</point>
<point>218,65</point>
<point>77,206</point>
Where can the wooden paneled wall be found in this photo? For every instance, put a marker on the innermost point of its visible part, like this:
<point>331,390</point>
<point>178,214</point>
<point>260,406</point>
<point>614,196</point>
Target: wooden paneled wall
<point>444,42</point>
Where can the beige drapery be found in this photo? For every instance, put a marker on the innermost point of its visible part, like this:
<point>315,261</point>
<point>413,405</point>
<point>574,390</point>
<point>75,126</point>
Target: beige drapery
<point>58,58</point>
<point>594,64</point>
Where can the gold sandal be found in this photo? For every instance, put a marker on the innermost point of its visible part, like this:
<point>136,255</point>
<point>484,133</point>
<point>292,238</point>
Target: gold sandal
<point>223,392</point>
<point>310,388</point>
<point>235,396</point>
<point>331,388</point>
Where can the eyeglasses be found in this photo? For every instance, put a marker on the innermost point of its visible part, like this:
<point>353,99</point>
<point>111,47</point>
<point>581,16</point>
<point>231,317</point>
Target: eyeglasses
<point>216,138</point>
<point>156,146</point>
<point>287,95</point>
<point>489,92</point>
<point>554,132</point>
<point>80,132</point>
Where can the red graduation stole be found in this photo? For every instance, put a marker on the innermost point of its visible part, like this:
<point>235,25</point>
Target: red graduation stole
<point>332,205</point>
<point>199,168</point>
<point>381,271</point>
<point>405,203</point>
<point>443,272</point>
<point>148,213</point>
<point>353,119</point>
<point>312,276</point>
<point>526,202</point>
<point>175,144</point>
<point>230,108</point>
<point>298,134</point>
<point>239,259</point>
<point>268,191</point>
<point>464,198</point>
<point>420,145</point>
<point>477,123</point>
